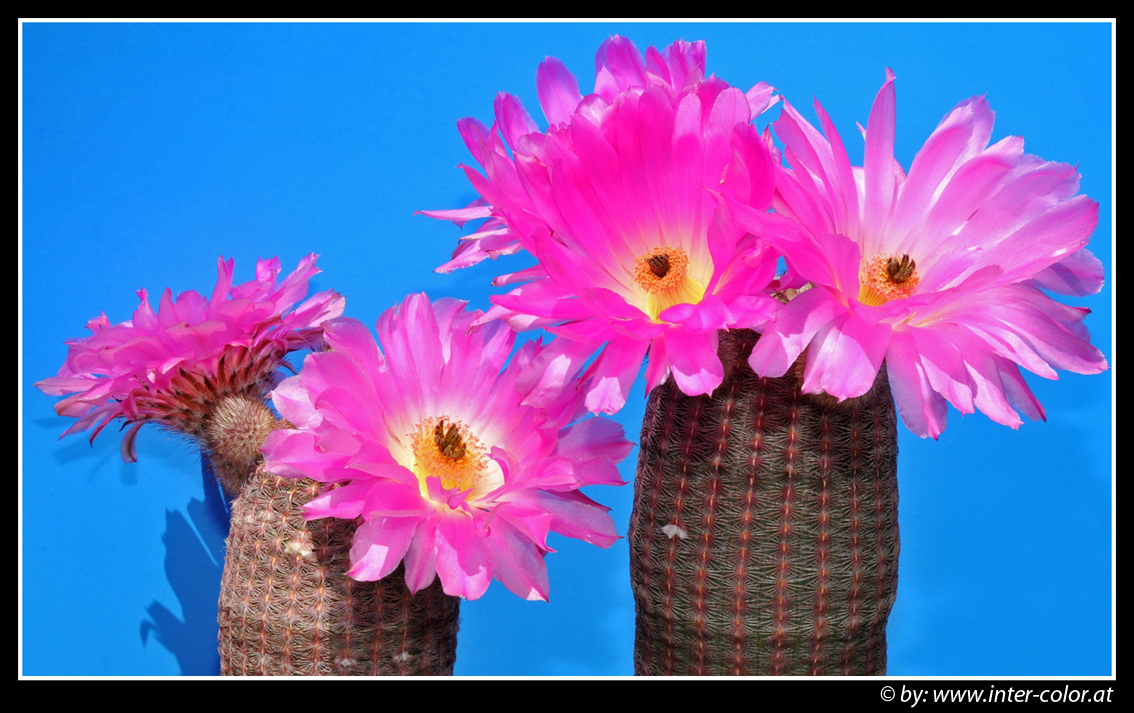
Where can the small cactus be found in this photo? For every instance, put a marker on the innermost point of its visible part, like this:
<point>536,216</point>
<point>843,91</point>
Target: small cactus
<point>764,536</point>
<point>286,605</point>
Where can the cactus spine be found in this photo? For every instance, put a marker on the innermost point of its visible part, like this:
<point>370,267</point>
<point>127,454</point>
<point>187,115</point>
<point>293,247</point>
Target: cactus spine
<point>764,536</point>
<point>286,605</point>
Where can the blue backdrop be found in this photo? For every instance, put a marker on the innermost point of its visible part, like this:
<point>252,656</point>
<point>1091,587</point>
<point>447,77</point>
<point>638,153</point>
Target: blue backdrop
<point>151,149</point>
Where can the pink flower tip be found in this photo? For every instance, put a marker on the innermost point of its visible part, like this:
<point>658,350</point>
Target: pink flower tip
<point>939,271</point>
<point>621,200</point>
<point>171,365</point>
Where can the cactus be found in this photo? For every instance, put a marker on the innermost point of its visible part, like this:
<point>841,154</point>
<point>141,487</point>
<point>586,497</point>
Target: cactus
<point>286,605</point>
<point>764,535</point>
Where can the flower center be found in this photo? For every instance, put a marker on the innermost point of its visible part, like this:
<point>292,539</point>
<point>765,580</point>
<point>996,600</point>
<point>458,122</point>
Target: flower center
<point>447,450</point>
<point>885,277</point>
<point>663,273</point>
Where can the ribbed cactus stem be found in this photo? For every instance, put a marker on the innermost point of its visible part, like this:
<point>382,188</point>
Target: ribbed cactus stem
<point>286,605</point>
<point>764,536</point>
<point>288,608</point>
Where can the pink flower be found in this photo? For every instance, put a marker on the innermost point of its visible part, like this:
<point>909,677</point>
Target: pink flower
<point>434,452</point>
<point>169,366</point>
<point>939,272</point>
<point>618,201</point>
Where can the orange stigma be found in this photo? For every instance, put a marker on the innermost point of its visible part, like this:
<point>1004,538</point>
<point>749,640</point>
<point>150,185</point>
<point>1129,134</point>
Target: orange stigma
<point>446,449</point>
<point>663,272</point>
<point>885,277</point>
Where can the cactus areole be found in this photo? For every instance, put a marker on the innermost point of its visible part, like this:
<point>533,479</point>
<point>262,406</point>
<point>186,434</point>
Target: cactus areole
<point>764,536</point>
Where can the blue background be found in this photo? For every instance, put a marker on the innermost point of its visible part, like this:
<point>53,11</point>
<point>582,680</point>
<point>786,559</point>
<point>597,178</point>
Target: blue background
<point>150,149</point>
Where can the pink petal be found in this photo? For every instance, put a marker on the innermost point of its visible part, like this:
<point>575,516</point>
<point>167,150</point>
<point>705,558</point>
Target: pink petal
<point>708,315</point>
<point>610,304</point>
<point>1018,392</point>
<point>517,562</point>
<point>844,188</point>
<point>845,355</point>
<point>614,373</point>
<point>686,63</point>
<point>932,164</point>
<point>878,163</point>
<point>1064,229</point>
<point>789,334</point>
<point>750,177</point>
<point>513,119</point>
<point>460,215</point>
<point>654,163</point>
<point>128,447</point>
<point>824,259</point>
<point>476,137</point>
<point>576,515</point>
<point>760,98</point>
<point>693,360</point>
<point>552,370</point>
<point>464,561</point>
<point>752,311</point>
<point>944,366</point>
<point>657,365</point>
<point>353,336</point>
<point>345,502</point>
<point>1078,274</point>
<point>544,298</point>
<point>990,395</point>
<point>379,546</point>
<point>527,275</point>
<point>421,556</point>
<point>397,497</point>
<point>558,91</point>
<point>593,438</point>
<point>293,454</point>
<point>624,61</point>
<point>923,410</point>
<point>532,522</point>
<point>819,170</point>
<point>964,193</point>
<point>950,144</point>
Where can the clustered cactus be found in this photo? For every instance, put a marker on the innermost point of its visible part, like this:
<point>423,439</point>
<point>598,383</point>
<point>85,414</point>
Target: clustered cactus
<point>789,308</point>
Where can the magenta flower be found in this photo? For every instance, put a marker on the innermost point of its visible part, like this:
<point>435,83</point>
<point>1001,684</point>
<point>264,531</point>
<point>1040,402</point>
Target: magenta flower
<point>939,272</point>
<point>434,452</point>
<point>169,366</point>
<point>619,201</point>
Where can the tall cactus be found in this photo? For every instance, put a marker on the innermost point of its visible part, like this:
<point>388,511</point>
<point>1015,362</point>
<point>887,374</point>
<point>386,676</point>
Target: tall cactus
<point>764,536</point>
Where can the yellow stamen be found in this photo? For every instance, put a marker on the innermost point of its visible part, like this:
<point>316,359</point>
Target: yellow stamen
<point>663,273</point>
<point>446,449</point>
<point>885,277</point>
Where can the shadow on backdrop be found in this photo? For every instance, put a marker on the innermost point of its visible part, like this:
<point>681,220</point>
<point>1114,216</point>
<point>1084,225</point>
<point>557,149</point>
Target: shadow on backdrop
<point>194,559</point>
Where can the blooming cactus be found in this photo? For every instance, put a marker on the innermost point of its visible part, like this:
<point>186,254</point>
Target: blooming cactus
<point>429,445</point>
<point>619,201</point>
<point>173,365</point>
<point>939,272</point>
